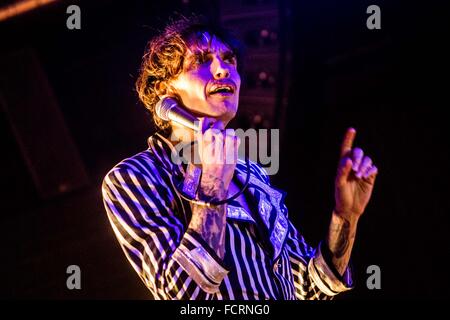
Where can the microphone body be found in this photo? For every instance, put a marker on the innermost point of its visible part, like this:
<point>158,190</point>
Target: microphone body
<point>169,109</point>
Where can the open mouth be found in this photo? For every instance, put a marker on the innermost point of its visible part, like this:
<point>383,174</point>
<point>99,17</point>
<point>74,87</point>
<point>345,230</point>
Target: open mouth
<point>224,89</point>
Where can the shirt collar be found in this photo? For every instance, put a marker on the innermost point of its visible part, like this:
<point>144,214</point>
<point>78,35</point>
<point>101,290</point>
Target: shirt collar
<point>165,153</point>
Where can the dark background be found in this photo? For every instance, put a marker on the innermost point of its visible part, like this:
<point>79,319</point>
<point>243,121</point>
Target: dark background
<point>70,112</point>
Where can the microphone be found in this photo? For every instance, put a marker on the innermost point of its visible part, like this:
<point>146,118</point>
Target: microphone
<point>169,109</point>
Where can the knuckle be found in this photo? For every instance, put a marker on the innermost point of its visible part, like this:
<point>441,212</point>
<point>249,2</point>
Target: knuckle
<point>230,132</point>
<point>230,139</point>
<point>358,152</point>
<point>215,131</point>
<point>207,136</point>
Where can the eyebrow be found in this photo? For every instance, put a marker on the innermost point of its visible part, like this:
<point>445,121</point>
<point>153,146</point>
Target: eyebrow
<point>197,52</point>
<point>227,53</point>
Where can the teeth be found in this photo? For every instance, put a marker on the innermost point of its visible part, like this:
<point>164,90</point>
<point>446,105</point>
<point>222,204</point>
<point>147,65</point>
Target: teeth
<point>221,89</point>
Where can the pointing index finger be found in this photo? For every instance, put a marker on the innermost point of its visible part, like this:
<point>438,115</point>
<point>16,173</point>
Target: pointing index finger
<point>347,143</point>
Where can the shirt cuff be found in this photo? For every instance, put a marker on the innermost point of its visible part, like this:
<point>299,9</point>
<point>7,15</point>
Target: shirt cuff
<point>201,263</point>
<point>326,277</point>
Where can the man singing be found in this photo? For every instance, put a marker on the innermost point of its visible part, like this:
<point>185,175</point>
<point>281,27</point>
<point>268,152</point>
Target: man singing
<point>245,248</point>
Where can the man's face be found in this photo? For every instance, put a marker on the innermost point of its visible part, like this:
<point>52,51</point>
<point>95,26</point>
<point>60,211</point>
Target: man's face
<point>209,83</point>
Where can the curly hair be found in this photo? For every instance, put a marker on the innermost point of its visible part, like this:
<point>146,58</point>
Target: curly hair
<point>164,58</point>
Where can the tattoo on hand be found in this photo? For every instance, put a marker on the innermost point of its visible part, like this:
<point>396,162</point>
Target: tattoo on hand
<point>341,245</point>
<point>340,241</point>
<point>211,226</point>
<point>210,222</point>
<point>211,187</point>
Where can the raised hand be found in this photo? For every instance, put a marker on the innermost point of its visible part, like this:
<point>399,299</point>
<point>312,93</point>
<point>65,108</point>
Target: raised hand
<point>355,179</point>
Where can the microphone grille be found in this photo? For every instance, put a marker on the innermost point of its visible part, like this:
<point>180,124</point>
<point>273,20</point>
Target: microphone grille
<point>163,107</point>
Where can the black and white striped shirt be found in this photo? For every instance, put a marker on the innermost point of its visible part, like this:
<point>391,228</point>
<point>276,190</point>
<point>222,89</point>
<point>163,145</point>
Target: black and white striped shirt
<point>265,256</point>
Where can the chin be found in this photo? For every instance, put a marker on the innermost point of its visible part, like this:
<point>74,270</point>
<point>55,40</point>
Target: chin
<point>228,107</point>
<point>227,113</point>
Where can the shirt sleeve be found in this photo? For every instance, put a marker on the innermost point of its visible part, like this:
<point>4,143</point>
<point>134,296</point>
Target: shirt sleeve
<point>315,278</point>
<point>174,263</point>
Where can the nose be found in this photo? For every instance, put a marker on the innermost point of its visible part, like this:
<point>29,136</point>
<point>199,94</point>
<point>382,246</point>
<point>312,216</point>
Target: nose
<point>220,69</point>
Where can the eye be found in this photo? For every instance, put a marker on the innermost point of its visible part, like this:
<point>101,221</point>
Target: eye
<point>231,59</point>
<point>201,58</point>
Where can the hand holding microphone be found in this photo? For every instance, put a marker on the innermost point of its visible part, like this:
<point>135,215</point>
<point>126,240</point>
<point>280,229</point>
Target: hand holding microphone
<point>218,150</point>
<point>217,147</point>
